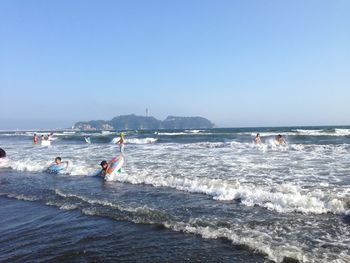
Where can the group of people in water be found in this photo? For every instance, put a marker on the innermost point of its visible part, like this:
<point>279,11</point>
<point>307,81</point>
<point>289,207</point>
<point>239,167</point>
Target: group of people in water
<point>43,138</point>
<point>104,164</point>
<point>279,140</point>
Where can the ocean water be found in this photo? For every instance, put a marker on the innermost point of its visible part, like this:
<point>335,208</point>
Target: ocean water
<point>208,195</point>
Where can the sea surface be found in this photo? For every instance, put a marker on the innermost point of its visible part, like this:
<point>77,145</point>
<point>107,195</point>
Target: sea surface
<point>208,195</point>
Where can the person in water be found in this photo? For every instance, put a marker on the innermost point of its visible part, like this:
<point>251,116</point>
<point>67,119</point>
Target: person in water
<point>35,139</point>
<point>58,161</point>
<point>50,136</point>
<point>2,153</point>
<point>258,139</point>
<point>280,140</point>
<point>121,142</point>
<point>42,138</point>
<point>105,167</point>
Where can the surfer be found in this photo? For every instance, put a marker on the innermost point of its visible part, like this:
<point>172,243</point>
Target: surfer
<point>280,140</point>
<point>35,139</point>
<point>121,142</point>
<point>258,139</point>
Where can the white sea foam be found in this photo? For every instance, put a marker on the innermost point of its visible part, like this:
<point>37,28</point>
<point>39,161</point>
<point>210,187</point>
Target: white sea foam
<point>224,170</point>
<point>306,132</point>
<point>107,203</point>
<point>20,197</point>
<point>245,161</point>
<point>255,240</point>
<point>271,242</point>
<point>337,132</point>
<point>342,132</point>
<point>26,165</point>
<point>193,131</point>
<point>188,227</point>
<point>69,132</point>
<point>256,237</point>
<point>186,132</point>
<point>172,133</point>
<point>136,140</point>
<point>285,198</point>
<point>142,140</point>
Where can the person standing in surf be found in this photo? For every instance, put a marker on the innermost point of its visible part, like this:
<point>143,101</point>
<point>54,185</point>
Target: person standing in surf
<point>280,140</point>
<point>258,139</point>
<point>121,142</point>
<point>50,136</point>
<point>35,139</point>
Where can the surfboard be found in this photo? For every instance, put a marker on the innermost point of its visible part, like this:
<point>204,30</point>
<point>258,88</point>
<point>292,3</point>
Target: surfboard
<point>116,164</point>
<point>57,168</point>
<point>115,140</point>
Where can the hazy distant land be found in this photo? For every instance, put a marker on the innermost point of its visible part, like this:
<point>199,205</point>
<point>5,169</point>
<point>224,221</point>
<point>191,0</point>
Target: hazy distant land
<point>134,122</point>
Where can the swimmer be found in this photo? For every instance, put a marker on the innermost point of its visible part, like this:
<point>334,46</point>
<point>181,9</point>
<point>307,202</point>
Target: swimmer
<point>58,166</point>
<point>105,167</point>
<point>109,168</point>
<point>50,136</point>
<point>280,140</point>
<point>35,139</point>
<point>58,161</point>
<point>258,139</point>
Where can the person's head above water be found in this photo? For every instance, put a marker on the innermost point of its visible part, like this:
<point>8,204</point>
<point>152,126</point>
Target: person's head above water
<point>2,153</point>
<point>104,165</point>
<point>58,160</point>
<point>258,134</point>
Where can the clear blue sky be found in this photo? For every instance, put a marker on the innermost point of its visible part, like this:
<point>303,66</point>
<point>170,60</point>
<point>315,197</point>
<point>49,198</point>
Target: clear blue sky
<point>238,63</point>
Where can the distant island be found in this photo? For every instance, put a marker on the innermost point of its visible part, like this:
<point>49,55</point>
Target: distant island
<point>134,122</point>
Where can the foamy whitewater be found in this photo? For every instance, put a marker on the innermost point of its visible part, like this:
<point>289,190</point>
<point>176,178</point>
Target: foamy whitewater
<point>284,202</point>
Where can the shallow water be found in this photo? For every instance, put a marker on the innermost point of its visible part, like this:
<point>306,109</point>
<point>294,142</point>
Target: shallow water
<point>272,201</point>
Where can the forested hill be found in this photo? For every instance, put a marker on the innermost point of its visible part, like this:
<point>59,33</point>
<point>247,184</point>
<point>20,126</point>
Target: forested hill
<point>134,122</point>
